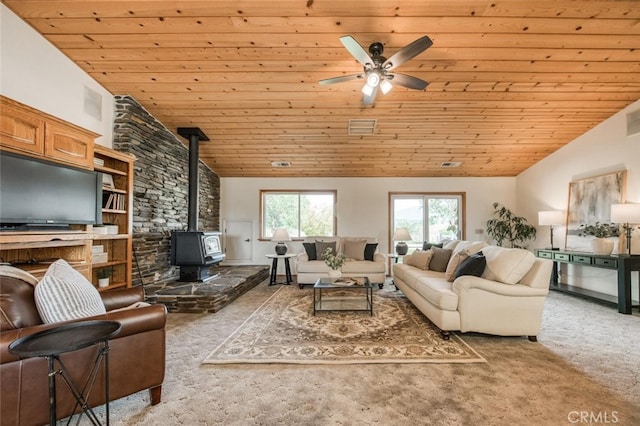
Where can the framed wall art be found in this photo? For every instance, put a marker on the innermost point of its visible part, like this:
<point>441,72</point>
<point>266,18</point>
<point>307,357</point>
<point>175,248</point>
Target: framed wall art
<point>590,201</point>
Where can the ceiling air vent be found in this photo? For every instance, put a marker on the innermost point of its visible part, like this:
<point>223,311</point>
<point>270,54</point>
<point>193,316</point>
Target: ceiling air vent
<point>450,164</point>
<point>280,164</point>
<point>360,127</point>
<point>633,123</point>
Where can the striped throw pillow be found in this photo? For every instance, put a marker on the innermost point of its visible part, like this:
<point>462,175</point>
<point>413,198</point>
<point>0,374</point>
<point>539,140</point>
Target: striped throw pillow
<point>65,294</point>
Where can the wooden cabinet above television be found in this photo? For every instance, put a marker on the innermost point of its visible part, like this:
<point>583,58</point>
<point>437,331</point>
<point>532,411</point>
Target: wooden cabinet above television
<point>28,131</point>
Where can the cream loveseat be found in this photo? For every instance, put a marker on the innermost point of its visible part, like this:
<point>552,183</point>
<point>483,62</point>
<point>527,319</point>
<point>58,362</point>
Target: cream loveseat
<point>471,286</point>
<point>310,266</point>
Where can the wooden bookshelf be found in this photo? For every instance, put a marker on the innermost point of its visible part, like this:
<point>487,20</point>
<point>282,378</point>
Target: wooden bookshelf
<point>117,216</point>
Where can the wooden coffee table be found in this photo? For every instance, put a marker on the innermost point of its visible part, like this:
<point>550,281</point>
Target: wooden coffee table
<point>329,295</point>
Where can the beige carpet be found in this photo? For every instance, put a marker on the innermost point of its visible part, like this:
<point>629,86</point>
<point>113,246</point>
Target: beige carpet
<point>586,360</point>
<point>285,330</point>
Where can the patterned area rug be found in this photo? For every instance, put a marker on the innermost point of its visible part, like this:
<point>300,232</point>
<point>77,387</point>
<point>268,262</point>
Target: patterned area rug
<point>284,330</point>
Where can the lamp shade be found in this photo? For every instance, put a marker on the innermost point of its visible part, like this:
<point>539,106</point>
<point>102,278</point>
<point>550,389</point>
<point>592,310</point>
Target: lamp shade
<point>401,234</point>
<point>625,213</point>
<point>551,217</point>
<point>281,235</point>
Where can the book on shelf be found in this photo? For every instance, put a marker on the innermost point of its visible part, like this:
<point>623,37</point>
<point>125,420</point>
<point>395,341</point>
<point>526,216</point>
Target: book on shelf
<point>107,181</point>
<point>114,202</point>
<point>99,258</point>
<point>107,201</point>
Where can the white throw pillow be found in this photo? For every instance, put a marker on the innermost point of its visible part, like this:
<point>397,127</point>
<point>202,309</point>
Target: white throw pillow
<point>507,265</point>
<point>65,294</point>
<point>454,261</point>
<point>450,245</point>
<point>58,300</point>
<point>470,247</point>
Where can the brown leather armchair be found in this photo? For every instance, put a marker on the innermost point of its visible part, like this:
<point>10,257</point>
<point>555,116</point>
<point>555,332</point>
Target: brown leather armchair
<point>136,356</point>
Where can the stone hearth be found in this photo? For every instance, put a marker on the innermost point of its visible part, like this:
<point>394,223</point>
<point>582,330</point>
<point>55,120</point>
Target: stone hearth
<point>211,295</point>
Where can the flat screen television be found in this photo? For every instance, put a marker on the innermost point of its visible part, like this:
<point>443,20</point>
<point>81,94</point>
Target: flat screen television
<point>36,193</point>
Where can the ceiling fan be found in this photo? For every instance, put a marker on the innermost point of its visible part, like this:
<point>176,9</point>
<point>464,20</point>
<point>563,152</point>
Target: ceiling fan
<point>377,68</point>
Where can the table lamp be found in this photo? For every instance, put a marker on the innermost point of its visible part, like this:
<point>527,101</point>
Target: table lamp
<point>281,236</point>
<point>401,235</point>
<point>626,214</point>
<point>550,218</point>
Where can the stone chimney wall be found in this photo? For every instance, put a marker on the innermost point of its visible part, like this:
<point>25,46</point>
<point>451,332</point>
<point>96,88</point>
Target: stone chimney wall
<point>160,189</point>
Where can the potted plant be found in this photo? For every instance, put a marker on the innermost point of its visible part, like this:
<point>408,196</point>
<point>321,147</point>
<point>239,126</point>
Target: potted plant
<point>601,244</point>
<point>334,262</point>
<point>507,227</point>
<point>103,277</point>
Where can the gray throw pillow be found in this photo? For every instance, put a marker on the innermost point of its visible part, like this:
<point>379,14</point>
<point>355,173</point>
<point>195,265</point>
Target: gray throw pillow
<point>321,246</point>
<point>426,246</point>
<point>440,259</point>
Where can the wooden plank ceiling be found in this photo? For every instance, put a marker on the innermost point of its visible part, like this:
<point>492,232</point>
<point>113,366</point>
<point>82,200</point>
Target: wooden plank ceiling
<point>510,81</point>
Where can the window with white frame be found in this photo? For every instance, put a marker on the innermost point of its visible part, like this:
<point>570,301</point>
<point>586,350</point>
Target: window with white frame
<point>430,217</point>
<point>302,213</point>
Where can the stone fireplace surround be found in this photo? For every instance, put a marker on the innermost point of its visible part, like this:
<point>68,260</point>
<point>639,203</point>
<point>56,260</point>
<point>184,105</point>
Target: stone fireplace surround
<point>160,189</point>
<point>160,205</point>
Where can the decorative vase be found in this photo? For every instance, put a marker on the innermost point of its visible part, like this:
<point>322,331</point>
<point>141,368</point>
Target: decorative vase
<point>335,274</point>
<point>281,249</point>
<point>602,246</point>
<point>402,248</point>
<point>103,282</point>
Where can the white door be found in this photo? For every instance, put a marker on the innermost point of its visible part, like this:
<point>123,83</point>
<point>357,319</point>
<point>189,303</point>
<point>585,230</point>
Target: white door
<point>238,236</point>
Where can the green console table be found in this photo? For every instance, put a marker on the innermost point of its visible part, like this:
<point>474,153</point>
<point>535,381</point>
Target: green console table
<point>624,264</point>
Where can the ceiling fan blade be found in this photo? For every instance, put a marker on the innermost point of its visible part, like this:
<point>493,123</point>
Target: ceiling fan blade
<point>356,50</point>
<point>408,81</point>
<point>409,51</point>
<point>369,99</point>
<point>340,79</point>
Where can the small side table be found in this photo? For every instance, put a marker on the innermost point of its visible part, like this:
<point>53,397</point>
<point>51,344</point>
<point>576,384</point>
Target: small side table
<point>274,268</point>
<point>55,341</point>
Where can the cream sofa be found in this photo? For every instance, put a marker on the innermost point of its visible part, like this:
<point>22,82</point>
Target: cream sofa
<point>309,271</point>
<point>506,299</point>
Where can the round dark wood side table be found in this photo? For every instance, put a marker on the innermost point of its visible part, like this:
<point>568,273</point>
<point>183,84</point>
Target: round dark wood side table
<point>53,342</point>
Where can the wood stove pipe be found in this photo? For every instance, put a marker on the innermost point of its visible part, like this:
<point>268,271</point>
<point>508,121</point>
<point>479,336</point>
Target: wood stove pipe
<point>194,135</point>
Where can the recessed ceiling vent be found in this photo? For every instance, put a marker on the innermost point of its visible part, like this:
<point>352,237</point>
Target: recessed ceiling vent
<point>447,164</point>
<point>280,164</point>
<point>633,123</point>
<point>360,127</point>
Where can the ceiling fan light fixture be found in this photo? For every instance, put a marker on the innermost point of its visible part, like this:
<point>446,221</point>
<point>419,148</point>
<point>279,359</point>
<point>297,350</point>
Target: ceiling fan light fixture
<point>385,86</point>
<point>367,90</point>
<point>376,71</point>
<point>373,79</point>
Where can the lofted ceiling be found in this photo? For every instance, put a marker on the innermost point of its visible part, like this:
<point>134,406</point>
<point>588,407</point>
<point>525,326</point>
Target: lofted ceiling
<point>510,81</point>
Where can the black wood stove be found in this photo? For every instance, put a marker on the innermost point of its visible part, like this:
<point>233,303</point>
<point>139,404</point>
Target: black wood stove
<point>192,250</point>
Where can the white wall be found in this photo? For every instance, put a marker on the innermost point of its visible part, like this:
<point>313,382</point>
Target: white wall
<point>42,77</point>
<point>545,186</point>
<point>363,203</point>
